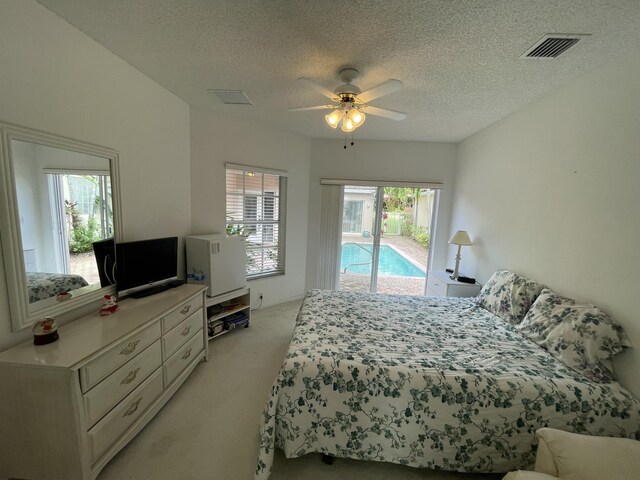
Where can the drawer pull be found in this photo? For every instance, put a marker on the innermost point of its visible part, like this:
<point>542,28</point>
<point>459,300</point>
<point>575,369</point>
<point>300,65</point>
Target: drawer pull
<point>186,354</point>
<point>132,408</point>
<point>186,331</point>
<point>128,350</point>
<point>130,377</point>
<point>185,310</point>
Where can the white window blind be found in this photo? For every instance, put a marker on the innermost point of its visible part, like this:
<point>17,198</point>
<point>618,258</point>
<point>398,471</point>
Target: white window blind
<point>256,209</point>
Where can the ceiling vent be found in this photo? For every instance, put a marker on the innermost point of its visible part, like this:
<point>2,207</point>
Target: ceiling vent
<point>232,97</point>
<point>552,45</point>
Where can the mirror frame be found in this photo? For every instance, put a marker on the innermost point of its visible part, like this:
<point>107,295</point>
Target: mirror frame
<point>23,315</point>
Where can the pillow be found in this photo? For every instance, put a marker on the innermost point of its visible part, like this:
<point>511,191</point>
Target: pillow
<point>508,295</point>
<point>581,336</point>
<point>526,475</point>
<point>546,313</point>
<point>572,456</point>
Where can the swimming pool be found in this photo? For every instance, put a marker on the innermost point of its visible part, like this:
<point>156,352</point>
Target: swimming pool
<point>391,262</point>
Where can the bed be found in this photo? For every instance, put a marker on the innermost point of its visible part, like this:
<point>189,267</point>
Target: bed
<point>43,285</point>
<point>427,382</point>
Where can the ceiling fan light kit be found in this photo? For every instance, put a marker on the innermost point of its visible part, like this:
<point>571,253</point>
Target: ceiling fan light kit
<point>350,116</point>
<point>351,101</point>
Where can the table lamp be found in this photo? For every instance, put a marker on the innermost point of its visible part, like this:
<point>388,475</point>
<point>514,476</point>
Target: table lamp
<point>459,238</point>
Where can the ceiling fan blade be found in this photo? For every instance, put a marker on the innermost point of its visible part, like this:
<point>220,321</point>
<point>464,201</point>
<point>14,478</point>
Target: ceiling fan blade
<point>317,87</point>
<point>385,88</point>
<point>383,112</point>
<point>315,107</point>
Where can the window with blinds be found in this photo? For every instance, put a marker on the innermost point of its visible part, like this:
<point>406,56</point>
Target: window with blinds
<point>256,205</point>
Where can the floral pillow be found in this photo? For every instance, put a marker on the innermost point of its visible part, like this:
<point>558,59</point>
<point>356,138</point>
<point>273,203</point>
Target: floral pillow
<point>581,336</point>
<point>508,295</point>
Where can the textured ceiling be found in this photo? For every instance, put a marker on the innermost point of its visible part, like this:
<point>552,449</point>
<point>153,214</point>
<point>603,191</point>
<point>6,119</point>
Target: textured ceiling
<point>459,60</point>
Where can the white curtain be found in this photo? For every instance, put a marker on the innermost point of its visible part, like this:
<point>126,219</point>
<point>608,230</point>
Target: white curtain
<point>330,237</point>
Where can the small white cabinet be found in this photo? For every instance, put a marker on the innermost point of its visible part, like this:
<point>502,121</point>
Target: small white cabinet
<point>234,304</point>
<point>440,284</point>
<point>68,407</point>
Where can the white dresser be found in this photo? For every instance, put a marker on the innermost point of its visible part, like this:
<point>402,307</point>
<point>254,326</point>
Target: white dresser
<point>68,407</point>
<point>440,284</point>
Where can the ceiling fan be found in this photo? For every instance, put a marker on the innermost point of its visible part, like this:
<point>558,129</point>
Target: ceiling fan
<point>350,103</point>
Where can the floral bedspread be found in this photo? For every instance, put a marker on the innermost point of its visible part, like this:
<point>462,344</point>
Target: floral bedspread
<point>426,382</point>
<point>45,285</point>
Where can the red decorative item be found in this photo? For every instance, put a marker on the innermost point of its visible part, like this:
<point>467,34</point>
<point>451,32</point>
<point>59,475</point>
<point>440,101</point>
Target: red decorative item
<point>63,296</point>
<point>45,331</point>
<point>109,306</point>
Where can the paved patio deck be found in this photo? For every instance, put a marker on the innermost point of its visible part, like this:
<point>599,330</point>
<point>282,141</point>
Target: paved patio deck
<point>84,264</point>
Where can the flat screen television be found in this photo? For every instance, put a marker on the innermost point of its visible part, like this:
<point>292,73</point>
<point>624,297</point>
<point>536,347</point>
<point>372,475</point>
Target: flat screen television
<point>146,267</point>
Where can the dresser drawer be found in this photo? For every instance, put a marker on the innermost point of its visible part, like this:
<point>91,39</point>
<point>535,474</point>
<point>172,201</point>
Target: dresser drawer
<point>177,337</point>
<point>106,395</point>
<point>183,357</point>
<point>180,313</point>
<point>111,427</point>
<point>102,366</point>
<point>436,286</point>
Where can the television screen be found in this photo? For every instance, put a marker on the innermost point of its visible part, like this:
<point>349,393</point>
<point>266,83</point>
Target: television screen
<point>146,264</point>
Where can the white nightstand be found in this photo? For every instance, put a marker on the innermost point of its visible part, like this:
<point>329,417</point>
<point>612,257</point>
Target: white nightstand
<point>440,284</point>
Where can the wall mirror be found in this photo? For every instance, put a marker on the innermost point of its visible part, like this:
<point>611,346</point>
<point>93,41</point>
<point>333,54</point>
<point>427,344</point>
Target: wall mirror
<point>60,211</point>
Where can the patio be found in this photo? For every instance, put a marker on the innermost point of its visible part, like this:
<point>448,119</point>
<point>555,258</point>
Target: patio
<point>84,264</point>
<point>409,249</point>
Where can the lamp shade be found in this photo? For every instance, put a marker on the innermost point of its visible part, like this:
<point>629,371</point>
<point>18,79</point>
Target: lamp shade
<point>333,119</point>
<point>461,237</point>
<point>347,124</point>
<point>357,117</point>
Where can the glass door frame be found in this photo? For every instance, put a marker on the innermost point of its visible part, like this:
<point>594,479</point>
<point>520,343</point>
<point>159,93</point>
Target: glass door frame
<point>377,222</point>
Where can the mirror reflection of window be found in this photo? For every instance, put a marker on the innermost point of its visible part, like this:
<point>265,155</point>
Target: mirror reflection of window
<point>65,205</point>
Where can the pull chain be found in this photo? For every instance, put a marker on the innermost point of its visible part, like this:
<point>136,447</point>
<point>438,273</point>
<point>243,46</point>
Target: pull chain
<point>345,141</point>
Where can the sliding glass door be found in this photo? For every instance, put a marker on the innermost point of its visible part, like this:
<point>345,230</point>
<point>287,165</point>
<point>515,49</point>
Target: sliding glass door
<point>82,213</point>
<point>385,239</point>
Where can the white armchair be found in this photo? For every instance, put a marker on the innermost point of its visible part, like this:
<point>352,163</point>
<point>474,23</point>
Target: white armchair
<point>570,456</point>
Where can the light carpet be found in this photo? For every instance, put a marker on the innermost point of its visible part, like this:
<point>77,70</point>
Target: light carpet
<point>209,429</point>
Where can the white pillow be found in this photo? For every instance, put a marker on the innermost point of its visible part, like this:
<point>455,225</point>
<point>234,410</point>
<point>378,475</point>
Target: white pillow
<point>587,457</point>
<point>526,475</point>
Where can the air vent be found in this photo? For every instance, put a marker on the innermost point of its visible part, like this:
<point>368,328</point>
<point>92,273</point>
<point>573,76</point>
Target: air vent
<point>232,97</point>
<point>552,45</point>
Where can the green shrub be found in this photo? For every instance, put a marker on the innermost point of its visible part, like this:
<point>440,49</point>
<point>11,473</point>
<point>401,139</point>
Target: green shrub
<point>83,236</point>
<point>420,235</point>
<point>405,228</point>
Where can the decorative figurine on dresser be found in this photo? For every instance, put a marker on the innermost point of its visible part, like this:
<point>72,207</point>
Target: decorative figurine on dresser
<point>45,331</point>
<point>80,399</point>
<point>109,306</point>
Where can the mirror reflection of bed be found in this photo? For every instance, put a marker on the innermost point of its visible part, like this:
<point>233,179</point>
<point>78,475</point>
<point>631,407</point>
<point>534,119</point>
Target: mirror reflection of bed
<point>64,203</point>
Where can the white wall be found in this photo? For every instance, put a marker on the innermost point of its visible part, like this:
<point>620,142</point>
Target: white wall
<point>219,138</point>
<point>381,160</point>
<point>552,192</point>
<point>55,78</point>
<point>27,173</point>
